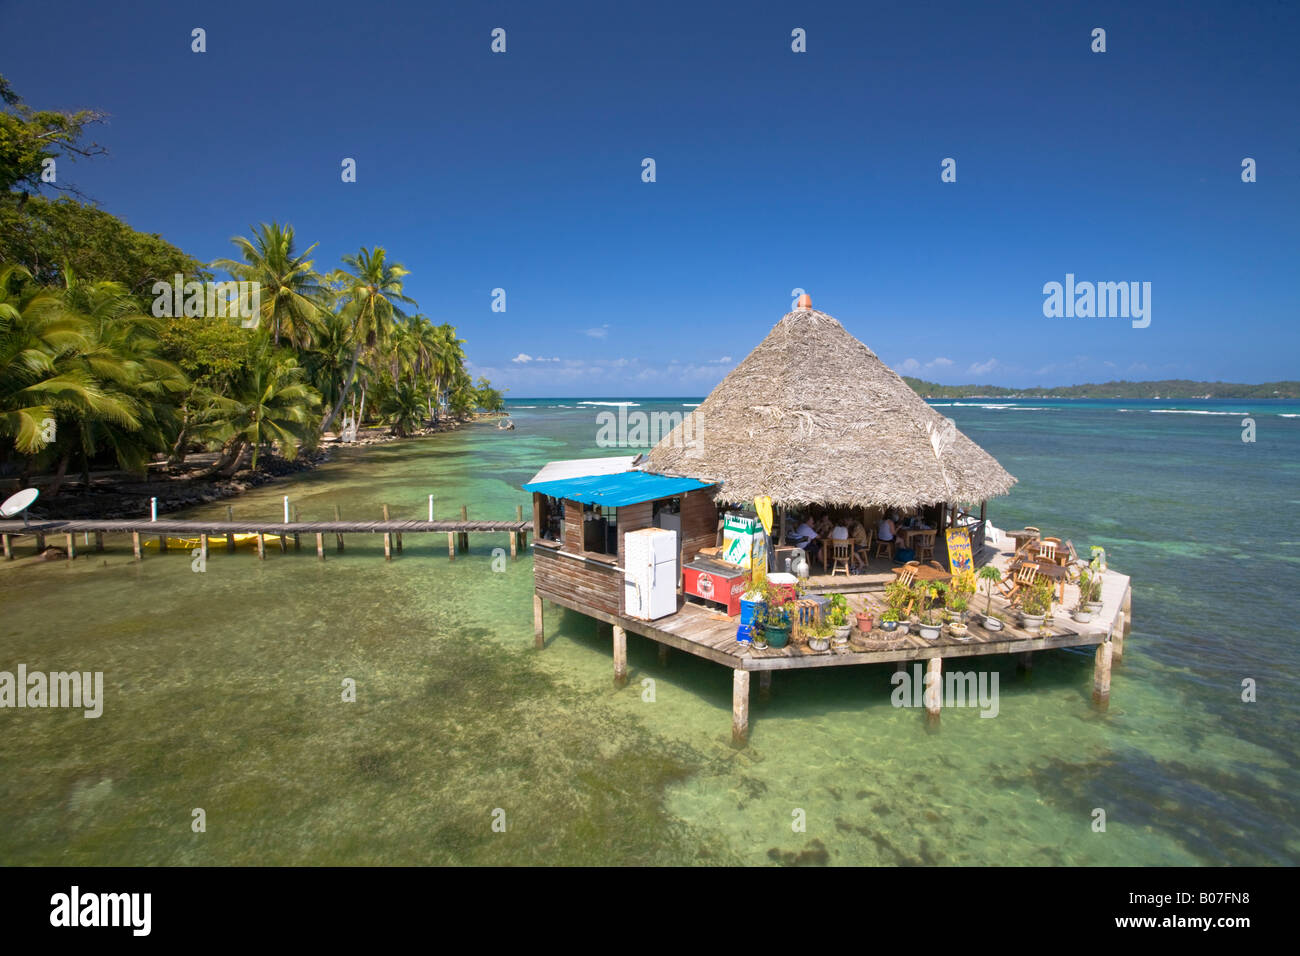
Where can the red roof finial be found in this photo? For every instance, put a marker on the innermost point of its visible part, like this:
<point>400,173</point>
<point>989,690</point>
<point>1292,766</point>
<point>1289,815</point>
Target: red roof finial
<point>805,303</point>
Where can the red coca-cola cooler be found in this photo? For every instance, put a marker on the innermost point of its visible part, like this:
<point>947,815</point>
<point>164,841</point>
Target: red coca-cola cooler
<point>715,582</point>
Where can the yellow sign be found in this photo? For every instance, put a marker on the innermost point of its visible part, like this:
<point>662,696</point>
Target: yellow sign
<point>959,554</point>
<point>763,505</point>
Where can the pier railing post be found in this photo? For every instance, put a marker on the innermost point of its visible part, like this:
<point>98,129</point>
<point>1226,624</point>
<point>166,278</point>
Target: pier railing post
<point>739,706</point>
<point>135,545</point>
<point>388,540</point>
<point>620,656</point>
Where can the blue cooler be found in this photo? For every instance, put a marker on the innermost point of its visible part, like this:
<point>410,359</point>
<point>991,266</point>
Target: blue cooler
<point>903,555</point>
<point>748,610</point>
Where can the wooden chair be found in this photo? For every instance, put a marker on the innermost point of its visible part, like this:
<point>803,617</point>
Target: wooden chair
<point>884,549</point>
<point>1024,577</point>
<point>923,544</point>
<point>864,552</point>
<point>841,556</point>
<point>908,575</point>
<point>1047,550</point>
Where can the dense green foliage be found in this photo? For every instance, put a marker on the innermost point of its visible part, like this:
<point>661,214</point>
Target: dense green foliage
<point>1166,388</point>
<point>95,371</point>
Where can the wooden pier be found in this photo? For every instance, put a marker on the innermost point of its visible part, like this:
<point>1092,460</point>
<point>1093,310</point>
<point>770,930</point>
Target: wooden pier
<point>710,634</point>
<point>201,531</point>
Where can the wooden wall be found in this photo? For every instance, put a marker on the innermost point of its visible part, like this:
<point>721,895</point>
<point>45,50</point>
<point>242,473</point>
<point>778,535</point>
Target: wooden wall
<point>590,582</point>
<point>699,522</point>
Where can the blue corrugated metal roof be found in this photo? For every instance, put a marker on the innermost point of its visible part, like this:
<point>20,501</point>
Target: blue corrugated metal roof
<point>615,491</point>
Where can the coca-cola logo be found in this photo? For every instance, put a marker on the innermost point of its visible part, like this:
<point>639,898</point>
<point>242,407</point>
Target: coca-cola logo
<point>705,584</point>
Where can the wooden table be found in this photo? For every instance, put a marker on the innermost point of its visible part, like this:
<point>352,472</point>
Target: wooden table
<point>1057,572</point>
<point>907,534</point>
<point>1021,538</point>
<point>925,573</point>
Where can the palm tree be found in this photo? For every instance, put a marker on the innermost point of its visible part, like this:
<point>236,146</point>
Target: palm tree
<point>41,378</point>
<point>291,293</point>
<point>275,403</point>
<point>121,353</point>
<point>370,291</point>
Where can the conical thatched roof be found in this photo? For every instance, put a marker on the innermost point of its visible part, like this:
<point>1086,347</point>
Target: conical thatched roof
<point>812,416</point>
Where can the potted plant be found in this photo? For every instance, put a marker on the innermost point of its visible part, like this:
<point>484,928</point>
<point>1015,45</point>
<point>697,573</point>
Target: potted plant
<point>958,630</point>
<point>839,616</point>
<point>930,593</point>
<point>1090,591</point>
<point>889,620</point>
<point>956,607</point>
<point>991,576</point>
<point>819,636</point>
<point>1037,602</point>
<point>776,625</point>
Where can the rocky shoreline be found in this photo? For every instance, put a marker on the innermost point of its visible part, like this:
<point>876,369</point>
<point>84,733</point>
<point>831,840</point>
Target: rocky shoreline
<point>128,496</point>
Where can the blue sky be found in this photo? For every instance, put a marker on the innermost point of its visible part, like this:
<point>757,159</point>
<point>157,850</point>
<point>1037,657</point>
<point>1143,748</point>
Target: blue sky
<point>775,170</point>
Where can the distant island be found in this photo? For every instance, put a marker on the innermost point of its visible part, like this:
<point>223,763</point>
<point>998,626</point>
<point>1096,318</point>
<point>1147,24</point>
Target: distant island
<point>1178,388</point>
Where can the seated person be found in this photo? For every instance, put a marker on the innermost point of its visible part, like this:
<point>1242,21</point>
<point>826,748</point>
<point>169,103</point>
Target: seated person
<point>887,528</point>
<point>859,535</point>
<point>803,535</point>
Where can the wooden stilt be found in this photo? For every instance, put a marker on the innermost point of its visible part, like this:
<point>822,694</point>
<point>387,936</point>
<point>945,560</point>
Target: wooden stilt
<point>320,546</point>
<point>739,706</point>
<point>1117,638</point>
<point>451,545</point>
<point>338,544</point>
<point>135,545</point>
<point>1101,676</point>
<point>230,535</point>
<point>162,544</point>
<point>1127,608</point>
<point>284,542</point>
<point>203,546</point>
<point>620,657</point>
<point>9,551</point>
<point>261,546</point>
<point>1025,661</point>
<point>539,634</point>
<point>663,655</point>
<point>99,541</point>
<point>40,543</point>
<point>933,695</point>
<point>388,546</point>
<point>71,541</point>
<point>297,545</point>
<point>764,685</point>
<point>517,539</point>
<point>464,535</point>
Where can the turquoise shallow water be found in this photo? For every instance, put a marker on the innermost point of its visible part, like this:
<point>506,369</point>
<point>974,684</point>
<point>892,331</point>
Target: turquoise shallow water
<point>223,689</point>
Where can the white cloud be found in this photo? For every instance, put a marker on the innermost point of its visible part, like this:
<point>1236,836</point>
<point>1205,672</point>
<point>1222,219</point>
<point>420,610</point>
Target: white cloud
<point>599,332</point>
<point>982,368</point>
<point>522,358</point>
<point>941,362</point>
<point>910,365</point>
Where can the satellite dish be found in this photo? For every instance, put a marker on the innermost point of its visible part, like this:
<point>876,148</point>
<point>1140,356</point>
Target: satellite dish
<point>18,503</point>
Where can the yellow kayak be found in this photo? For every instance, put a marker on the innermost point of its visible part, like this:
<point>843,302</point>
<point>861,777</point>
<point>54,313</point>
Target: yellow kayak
<point>215,540</point>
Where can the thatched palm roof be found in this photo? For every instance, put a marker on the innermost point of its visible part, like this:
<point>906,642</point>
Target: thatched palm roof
<point>812,416</point>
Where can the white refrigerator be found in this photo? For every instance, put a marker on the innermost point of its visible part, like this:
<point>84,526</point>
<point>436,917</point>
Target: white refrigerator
<point>650,573</point>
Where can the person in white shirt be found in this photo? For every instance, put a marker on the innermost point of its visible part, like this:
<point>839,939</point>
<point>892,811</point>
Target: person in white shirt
<point>887,529</point>
<point>803,535</point>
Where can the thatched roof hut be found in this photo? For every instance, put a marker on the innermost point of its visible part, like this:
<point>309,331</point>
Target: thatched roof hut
<point>812,416</point>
